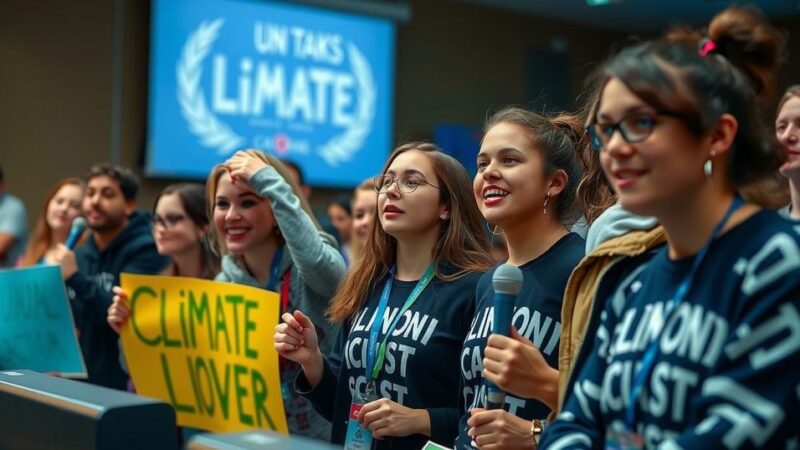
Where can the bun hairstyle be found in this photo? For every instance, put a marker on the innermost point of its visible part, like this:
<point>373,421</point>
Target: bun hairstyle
<point>743,37</point>
<point>558,138</point>
<point>702,74</point>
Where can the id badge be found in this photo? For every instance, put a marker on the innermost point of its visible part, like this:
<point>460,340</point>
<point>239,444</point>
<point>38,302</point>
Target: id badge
<point>623,440</point>
<point>358,437</point>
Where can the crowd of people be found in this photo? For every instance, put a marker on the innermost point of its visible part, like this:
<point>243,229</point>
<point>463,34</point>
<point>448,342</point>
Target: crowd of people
<point>673,323</point>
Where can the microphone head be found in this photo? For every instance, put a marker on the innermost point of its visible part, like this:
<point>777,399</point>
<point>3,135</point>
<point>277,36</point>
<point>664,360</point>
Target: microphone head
<point>78,225</point>
<point>507,279</point>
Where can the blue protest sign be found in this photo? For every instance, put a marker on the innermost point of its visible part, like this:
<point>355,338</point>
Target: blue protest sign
<point>37,331</point>
<point>311,85</point>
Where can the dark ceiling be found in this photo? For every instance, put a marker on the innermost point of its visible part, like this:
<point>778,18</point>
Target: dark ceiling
<point>637,15</point>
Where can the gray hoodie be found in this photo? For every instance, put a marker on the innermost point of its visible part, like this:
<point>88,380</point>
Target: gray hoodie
<point>316,268</point>
<point>614,222</point>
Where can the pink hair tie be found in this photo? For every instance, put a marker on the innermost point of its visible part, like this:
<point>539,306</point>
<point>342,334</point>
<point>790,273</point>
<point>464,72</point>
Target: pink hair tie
<point>706,46</point>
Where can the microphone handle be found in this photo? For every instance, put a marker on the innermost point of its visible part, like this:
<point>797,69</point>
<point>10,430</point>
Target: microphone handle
<point>501,324</point>
<point>72,239</point>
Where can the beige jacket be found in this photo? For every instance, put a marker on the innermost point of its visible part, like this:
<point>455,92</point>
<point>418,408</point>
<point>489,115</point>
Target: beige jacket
<point>581,289</point>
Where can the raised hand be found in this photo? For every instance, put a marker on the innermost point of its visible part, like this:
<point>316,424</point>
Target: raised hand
<point>118,312</point>
<point>242,166</point>
<point>64,257</point>
<point>296,340</point>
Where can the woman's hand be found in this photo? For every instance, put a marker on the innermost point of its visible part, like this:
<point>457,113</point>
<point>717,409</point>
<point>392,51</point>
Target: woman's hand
<point>118,312</point>
<point>499,429</point>
<point>515,365</point>
<point>296,340</point>
<point>242,166</point>
<point>64,257</point>
<point>386,418</point>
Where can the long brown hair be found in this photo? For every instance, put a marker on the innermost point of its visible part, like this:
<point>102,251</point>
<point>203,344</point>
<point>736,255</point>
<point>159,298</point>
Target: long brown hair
<point>594,194</point>
<point>462,245</point>
<point>41,238</point>
<point>218,246</point>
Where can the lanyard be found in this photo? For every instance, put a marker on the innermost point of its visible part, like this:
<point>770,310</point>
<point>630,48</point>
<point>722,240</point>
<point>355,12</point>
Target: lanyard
<point>275,267</point>
<point>376,352</point>
<point>680,294</point>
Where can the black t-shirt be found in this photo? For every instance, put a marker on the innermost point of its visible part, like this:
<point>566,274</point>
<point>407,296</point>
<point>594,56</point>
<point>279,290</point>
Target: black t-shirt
<point>537,316</point>
<point>421,365</point>
<point>725,358</point>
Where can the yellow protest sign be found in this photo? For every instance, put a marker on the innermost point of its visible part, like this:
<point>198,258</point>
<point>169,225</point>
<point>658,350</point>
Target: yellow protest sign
<point>206,348</point>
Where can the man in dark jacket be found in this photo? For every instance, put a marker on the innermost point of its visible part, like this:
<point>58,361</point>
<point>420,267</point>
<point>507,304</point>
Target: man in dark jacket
<point>120,241</point>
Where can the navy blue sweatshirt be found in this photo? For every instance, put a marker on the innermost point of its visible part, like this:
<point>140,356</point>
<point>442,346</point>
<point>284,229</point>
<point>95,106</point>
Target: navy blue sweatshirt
<point>537,316</point>
<point>133,251</point>
<point>421,367</point>
<point>725,373</point>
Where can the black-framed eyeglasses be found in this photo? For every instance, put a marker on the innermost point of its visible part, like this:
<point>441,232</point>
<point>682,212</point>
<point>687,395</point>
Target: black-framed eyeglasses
<point>635,127</point>
<point>167,221</point>
<point>407,183</point>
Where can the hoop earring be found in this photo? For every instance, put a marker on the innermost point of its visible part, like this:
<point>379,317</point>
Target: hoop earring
<point>544,207</point>
<point>708,167</point>
<point>494,231</point>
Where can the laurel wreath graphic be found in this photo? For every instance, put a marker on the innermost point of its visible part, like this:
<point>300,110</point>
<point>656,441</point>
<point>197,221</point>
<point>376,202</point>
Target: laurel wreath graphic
<point>202,122</point>
<point>342,147</point>
<point>214,133</point>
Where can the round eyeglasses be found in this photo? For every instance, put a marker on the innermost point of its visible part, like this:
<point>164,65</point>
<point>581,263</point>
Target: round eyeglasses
<point>406,184</point>
<point>167,221</point>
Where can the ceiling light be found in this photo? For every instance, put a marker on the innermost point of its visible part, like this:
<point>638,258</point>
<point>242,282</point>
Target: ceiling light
<point>601,2</point>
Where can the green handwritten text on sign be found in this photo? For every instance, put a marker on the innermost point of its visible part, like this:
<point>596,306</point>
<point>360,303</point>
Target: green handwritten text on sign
<point>206,348</point>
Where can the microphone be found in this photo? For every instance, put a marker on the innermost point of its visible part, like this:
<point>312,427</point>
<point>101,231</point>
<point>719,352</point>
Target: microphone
<point>506,282</point>
<point>78,225</point>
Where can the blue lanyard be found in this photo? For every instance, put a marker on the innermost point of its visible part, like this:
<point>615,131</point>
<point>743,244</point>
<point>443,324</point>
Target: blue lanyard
<point>276,267</point>
<point>680,294</point>
<point>376,352</point>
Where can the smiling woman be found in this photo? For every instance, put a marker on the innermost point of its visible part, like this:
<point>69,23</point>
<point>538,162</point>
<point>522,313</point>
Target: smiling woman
<point>528,171</point>
<point>60,208</point>
<point>268,238</point>
<point>678,133</point>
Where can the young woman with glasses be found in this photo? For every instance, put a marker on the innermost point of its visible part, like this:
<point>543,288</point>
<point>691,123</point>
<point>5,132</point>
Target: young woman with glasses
<point>409,298</point>
<point>528,171</point>
<point>696,343</point>
<point>180,226</point>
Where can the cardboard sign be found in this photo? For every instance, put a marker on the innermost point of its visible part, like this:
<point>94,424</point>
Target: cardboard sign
<point>37,331</point>
<point>206,348</point>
